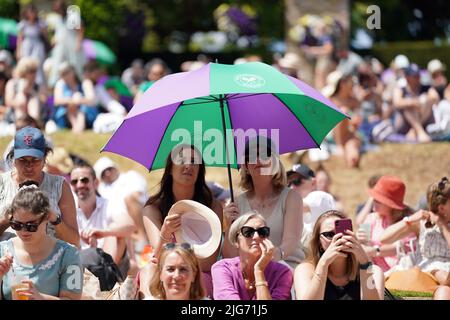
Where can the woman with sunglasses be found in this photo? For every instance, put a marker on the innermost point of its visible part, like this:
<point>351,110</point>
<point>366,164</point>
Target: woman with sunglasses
<point>28,157</point>
<point>52,266</point>
<point>264,180</point>
<point>337,267</point>
<point>183,179</point>
<point>177,275</point>
<point>252,275</point>
<point>432,228</point>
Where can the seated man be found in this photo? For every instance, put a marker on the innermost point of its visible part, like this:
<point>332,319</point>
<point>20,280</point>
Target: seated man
<point>127,193</point>
<point>99,224</point>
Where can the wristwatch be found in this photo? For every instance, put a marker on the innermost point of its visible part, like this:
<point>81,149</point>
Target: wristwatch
<point>365,266</point>
<point>377,250</point>
<point>57,221</point>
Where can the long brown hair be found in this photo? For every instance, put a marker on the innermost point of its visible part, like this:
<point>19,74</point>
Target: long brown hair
<point>196,291</point>
<point>315,247</point>
<point>164,198</point>
<point>438,193</point>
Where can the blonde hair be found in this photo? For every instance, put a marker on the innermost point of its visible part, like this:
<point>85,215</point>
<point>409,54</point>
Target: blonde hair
<point>237,224</point>
<point>438,193</point>
<point>315,248</point>
<point>279,179</point>
<point>197,291</point>
<point>26,65</point>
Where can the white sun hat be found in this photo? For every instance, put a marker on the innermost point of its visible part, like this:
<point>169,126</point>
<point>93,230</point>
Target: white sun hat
<point>200,227</point>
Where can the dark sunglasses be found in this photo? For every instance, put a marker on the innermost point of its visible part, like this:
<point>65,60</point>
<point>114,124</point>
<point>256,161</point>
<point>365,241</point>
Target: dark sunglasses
<point>328,234</point>
<point>28,226</point>
<point>248,232</point>
<point>295,182</point>
<point>441,184</point>
<point>172,245</point>
<point>83,180</point>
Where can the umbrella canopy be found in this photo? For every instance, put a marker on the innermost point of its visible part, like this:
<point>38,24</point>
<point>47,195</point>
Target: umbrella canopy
<point>99,51</point>
<point>216,98</point>
<point>126,98</point>
<point>8,33</point>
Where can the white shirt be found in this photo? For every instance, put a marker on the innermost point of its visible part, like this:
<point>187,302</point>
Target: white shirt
<point>124,185</point>
<point>100,219</point>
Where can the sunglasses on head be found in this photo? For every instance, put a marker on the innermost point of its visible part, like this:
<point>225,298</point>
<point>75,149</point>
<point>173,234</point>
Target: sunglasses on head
<point>172,245</point>
<point>28,226</point>
<point>83,180</point>
<point>248,232</point>
<point>328,234</point>
<point>441,184</point>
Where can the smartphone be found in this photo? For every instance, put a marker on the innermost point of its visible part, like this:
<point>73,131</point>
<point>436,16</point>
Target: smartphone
<point>343,224</point>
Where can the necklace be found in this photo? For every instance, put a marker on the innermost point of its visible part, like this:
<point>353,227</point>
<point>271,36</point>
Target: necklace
<point>251,284</point>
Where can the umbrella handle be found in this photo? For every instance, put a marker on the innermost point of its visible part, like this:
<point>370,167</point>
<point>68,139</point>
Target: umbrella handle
<point>230,182</point>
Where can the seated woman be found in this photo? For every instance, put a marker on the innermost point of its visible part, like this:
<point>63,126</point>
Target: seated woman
<point>337,268</point>
<point>183,178</point>
<point>75,101</point>
<point>264,179</point>
<point>252,275</point>
<point>28,158</point>
<point>389,208</point>
<point>177,276</point>
<point>52,266</point>
<point>433,230</point>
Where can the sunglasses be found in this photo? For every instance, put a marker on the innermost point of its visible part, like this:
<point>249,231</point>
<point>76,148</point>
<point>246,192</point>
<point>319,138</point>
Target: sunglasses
<point>248,232</point>
<point>28,226</point>
<point>83,180</point>
<point>441,184</point>
<point>328,234</point>
<point>172,245</point>
<point>295,182</point>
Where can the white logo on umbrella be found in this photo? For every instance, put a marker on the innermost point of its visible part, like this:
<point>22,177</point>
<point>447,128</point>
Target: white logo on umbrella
<point>249,80</point>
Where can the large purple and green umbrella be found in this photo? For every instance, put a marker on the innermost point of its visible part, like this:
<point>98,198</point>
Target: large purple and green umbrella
<point>8,33</point>
<point>218,98</point>
<point>99,51</point>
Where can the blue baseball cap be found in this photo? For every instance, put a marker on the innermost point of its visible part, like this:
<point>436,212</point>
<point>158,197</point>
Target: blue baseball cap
<point>29,142</point>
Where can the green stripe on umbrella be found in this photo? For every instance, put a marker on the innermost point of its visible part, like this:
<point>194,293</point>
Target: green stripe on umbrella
<point>98,51</point>
<point>8,29</point>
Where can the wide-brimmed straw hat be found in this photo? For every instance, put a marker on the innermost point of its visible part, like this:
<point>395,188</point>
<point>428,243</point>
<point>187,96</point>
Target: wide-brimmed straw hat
<point>390,191</point>
<point>200,227</point>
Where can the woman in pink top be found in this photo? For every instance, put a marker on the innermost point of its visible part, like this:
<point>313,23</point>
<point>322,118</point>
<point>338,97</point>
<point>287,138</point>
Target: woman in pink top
<point>252,275</point>
<point>388,195</point>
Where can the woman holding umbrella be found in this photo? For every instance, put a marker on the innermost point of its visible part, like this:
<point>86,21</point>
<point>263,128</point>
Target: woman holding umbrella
<point>264,179</point>
<point>183,178</point>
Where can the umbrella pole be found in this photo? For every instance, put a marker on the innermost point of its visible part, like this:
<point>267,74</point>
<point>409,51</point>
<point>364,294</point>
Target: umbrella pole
<point>230,182</point>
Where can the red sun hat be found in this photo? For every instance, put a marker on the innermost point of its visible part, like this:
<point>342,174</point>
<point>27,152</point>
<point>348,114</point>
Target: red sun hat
<point>390,191</point>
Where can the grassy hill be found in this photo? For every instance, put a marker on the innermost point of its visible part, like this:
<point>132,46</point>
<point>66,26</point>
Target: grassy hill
<point>417,164</point>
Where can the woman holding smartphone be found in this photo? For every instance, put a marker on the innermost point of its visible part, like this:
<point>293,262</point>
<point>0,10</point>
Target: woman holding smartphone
<point>337,267</point>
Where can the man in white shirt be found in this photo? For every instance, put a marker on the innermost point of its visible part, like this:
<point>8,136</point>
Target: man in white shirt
<point>99,225</point>
<point>126,192</point>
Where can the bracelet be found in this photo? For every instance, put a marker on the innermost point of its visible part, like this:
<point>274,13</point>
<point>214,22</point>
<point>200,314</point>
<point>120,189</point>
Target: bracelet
<point>261,283</point>
<point>407,221</point>
<point>318,276</point>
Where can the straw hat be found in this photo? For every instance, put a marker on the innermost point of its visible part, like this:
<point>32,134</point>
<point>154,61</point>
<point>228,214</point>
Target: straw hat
<point>390,191</point>
<point>412,280</point>
<point>60,159</point>
<point>200,227</point>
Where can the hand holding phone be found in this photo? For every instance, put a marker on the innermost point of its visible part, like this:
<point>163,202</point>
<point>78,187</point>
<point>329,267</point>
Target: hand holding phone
<point>341,225</point>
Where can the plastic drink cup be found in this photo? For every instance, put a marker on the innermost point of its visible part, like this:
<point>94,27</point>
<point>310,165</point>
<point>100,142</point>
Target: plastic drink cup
<point>17,284</point>
<point>367,230</point>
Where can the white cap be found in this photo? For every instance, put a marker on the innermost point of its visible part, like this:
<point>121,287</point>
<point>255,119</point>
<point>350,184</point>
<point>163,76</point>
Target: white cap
<point>435,65</point>
<point>102,164</point>
<point>6,57</point>
<point>319,202</point>
<point>401,61</point>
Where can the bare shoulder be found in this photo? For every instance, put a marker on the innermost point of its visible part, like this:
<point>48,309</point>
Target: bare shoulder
<point>152,211</point>
<point>293,197</point>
